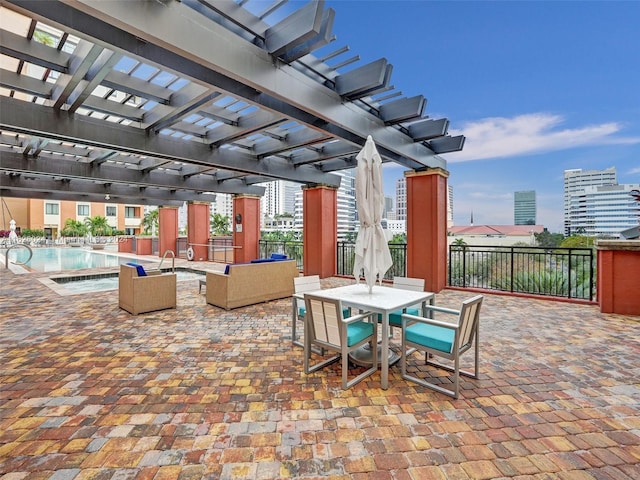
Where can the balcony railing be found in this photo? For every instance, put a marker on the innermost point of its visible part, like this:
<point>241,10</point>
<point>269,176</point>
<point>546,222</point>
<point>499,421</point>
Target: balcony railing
<point>291,249</point>
<point>562,272</point>
<point>347,254</point>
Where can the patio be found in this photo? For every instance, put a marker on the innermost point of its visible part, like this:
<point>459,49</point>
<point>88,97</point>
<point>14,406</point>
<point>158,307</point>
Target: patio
<point>89,391</point>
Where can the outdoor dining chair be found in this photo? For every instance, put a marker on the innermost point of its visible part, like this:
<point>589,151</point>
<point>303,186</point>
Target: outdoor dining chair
<point>301,285</point>
<point>443,339</point>
<point>405,283</point>
<point>327,329</point>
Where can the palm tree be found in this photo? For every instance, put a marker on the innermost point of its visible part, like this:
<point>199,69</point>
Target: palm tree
<point>98,225</point>
<point>459,242</point>
<point>150,222</point>
<point>220,224</point>
<point>44,38</point>
<point>73,228</point>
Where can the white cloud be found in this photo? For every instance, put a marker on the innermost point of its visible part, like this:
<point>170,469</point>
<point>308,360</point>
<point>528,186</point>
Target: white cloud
<point>498,137</point>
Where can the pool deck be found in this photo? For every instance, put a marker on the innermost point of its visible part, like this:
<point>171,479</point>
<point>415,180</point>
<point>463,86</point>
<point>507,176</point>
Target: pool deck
<point>88,391</point>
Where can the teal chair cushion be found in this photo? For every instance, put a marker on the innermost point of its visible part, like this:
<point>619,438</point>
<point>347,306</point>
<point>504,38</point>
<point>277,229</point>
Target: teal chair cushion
<point>302,310</point>
<point>431,336</point>
<point>358,331</point>
<point>395,318</point>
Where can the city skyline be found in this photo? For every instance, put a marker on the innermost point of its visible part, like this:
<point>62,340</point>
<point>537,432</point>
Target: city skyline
<point>535,87</point>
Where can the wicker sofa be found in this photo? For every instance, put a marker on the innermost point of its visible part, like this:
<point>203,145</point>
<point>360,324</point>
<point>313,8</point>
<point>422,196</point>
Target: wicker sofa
<point>141,294</point>
<point>250,283</point>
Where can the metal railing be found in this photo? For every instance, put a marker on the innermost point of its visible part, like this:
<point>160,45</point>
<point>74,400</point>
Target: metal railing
<point>221,249</point>
<point>291,249</point>
<point>347,254</point>
<point>560,272</point>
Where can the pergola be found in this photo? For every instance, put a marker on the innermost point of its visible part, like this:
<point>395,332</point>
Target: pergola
<point>166,101</point>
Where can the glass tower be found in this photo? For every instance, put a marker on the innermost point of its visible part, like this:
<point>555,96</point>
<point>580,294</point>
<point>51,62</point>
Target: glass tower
<point>524,208</point>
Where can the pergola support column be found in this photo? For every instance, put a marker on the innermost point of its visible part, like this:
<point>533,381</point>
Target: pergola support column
<point>168,226</point>
<point>618,290</point>
<point>427,227</point>
<point>246,227</point>
<point>198,229</point>
<point>320,230</point>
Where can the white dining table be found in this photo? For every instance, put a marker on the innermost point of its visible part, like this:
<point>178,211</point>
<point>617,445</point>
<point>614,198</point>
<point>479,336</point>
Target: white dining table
<point>383,300</point>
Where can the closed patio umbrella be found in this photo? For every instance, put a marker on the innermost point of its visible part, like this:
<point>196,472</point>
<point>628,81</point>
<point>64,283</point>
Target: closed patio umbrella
<point>372,250</point>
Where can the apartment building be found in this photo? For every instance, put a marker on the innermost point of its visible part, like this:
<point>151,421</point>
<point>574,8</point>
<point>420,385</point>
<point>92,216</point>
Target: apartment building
<point>603,210</point>
<point>51,215</point>
<point>575,181</point>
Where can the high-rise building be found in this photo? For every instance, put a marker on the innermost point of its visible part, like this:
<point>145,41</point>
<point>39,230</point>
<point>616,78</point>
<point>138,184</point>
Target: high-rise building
<point>223,204</point>
<point>401,202</point>
<point>604,210</point>
<point>346,199</point>
<point>575,181</point>
<point>449,206</point>
<point>401,198</point>
<point>388,206</point>
<point>524,207</point>
<point>278,198</point>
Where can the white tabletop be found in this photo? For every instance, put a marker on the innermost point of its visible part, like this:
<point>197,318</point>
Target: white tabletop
<point>382,299</point>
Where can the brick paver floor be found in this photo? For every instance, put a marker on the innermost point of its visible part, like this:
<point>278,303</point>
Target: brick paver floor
<point>88,391</point>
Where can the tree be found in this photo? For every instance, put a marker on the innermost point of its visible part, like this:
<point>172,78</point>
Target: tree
<point>290,236</point>
<point>73,228</point>
<point>44,38</point>
<point>98,225</point>
<point>349,237</point>
<point>399,238</point>
<point>150,222</point>
<point>548,240</point>
<point>459,242</point>
<point>220,224</point>
<point>577,241</point>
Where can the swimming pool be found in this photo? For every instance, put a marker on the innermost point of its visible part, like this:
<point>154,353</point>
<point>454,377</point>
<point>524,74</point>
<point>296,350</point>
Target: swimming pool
<point>64,258</point>
<point>109,281</point>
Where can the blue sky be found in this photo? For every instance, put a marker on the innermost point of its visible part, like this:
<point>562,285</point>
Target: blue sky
<point>536,88</point>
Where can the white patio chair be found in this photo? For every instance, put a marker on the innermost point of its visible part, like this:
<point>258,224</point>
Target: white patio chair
<point>443,339</point>
<point>302,285</point>
<point>327,329</point>
<point>405,283</point>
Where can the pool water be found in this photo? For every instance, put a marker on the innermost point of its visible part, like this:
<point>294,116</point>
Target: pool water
<point>65,258</point>
<point>99,283</point>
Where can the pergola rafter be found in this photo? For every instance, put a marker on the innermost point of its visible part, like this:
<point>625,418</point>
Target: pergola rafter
<point>204,92</point>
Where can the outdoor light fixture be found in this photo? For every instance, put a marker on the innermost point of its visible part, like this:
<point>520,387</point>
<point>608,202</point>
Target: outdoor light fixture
<point>107,197</point>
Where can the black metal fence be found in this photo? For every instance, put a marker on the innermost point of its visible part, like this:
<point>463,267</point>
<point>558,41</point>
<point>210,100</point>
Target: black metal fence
<point>293,250</point>
<point>562,272</point>
<point>347,255</point>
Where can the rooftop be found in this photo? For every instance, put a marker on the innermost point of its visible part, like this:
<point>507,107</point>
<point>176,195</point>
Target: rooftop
<point>89,391</point>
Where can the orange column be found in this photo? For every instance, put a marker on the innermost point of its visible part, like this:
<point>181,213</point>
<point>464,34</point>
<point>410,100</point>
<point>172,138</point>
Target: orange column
<point>427,227</point>
<point>320,230</point>
<point>168,226</point>
<point>618,289</point>
<point>198,229</point>
<point>246,227</point>
<point>144,245</point>
<point>125,244</point>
